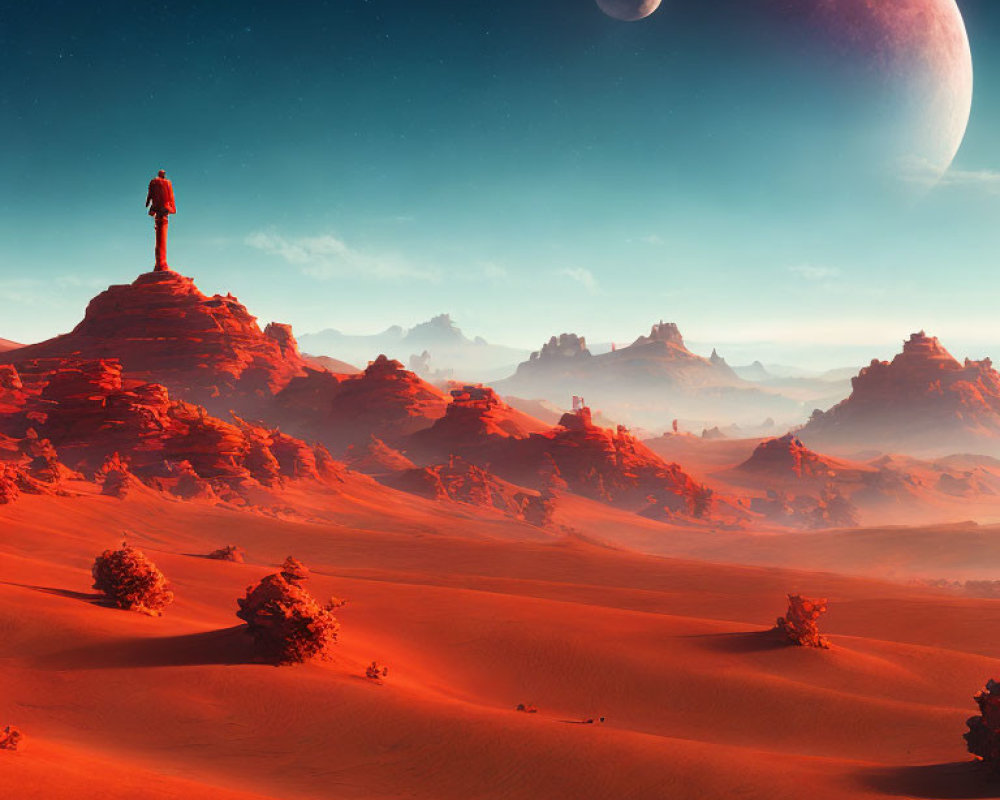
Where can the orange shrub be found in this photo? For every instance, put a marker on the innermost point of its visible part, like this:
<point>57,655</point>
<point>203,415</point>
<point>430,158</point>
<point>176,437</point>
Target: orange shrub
<point>131,581</point>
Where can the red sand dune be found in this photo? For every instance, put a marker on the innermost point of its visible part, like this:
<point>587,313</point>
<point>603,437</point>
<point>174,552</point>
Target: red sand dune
<point>699,702</point>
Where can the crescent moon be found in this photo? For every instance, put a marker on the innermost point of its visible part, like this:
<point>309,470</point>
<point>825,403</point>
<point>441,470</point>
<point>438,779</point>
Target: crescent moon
<point>628,10</point>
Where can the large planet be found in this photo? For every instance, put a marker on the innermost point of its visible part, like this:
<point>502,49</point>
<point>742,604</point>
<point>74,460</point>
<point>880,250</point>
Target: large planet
<point>844,97</point>
<point>912,56</point>
<point>628,10</point>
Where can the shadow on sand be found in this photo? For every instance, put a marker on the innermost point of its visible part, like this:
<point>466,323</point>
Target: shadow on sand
<point>93,598</point>
<point>959,780</point>
<point>224,646</point>
<point>745,642</point>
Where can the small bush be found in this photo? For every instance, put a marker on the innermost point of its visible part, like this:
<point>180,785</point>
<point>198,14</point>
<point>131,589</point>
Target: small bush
<point>799,625</point>
<point>10,738</point>
<point>983,738</point>
<point>376,672</point>
<point>287,623</point>
<point>294,570</point>
<point>228,553</point>
<point>131,581</point>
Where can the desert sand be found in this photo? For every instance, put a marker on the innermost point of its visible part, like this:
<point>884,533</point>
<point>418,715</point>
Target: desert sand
<point>474,615</point>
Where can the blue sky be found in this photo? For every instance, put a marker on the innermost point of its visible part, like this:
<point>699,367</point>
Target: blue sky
<point>530,168</point>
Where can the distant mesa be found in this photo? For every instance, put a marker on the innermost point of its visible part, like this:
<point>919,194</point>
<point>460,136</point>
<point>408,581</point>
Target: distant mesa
<point>755,372</point>
<point>665,332</point>
<point>654,379</point>
<point>436,331</point>
<point>449,351</point>
<point>6,344</point>
<point>660,357</point>
<point>566,345</point>
<point>923,401</point>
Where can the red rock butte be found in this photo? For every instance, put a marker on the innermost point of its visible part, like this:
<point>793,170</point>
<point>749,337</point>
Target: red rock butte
<point>786,456</point>
<point>922,400</point>
<point>161,327</point>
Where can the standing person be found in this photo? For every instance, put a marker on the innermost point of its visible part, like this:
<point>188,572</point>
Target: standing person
<point>160,202</point>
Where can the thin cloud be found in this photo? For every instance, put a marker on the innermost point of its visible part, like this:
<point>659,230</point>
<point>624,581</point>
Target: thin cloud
<point>984,178</point>
<point>327,256</point>
<point>582,276</point>
<point>813,273</point>
<point>927,175</point>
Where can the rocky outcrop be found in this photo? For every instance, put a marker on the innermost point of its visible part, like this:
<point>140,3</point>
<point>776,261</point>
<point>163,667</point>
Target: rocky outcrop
<point>377,458</point>
<point>826,508</point>
<point>924,400</point>
<point>566,345</point>
<point>10,483</point>
<point>607,465</point>
<point>385,401</point>
<point>475,419</point>
<point>665,333</point>
<point>785,457</point>
<point>800,624</point>
<point>12,395</point>
<point>614,467</point>
<point>162,329</point>
<point>115,478</point>
<point>88,416</point>
<point>330,364</point>
<point>461,482</point>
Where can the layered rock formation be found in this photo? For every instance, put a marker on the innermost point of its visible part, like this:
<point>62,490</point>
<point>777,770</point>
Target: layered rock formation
<point>161,331</point>
<point>462,482</point>
<point>207,350</point>
<point>565,346</point>
<point>475,419</point>
<point>88,416</point>
<point>786,457</point>
<point>607,465</point>
<point>385,401</point>
<point>923,401</point>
